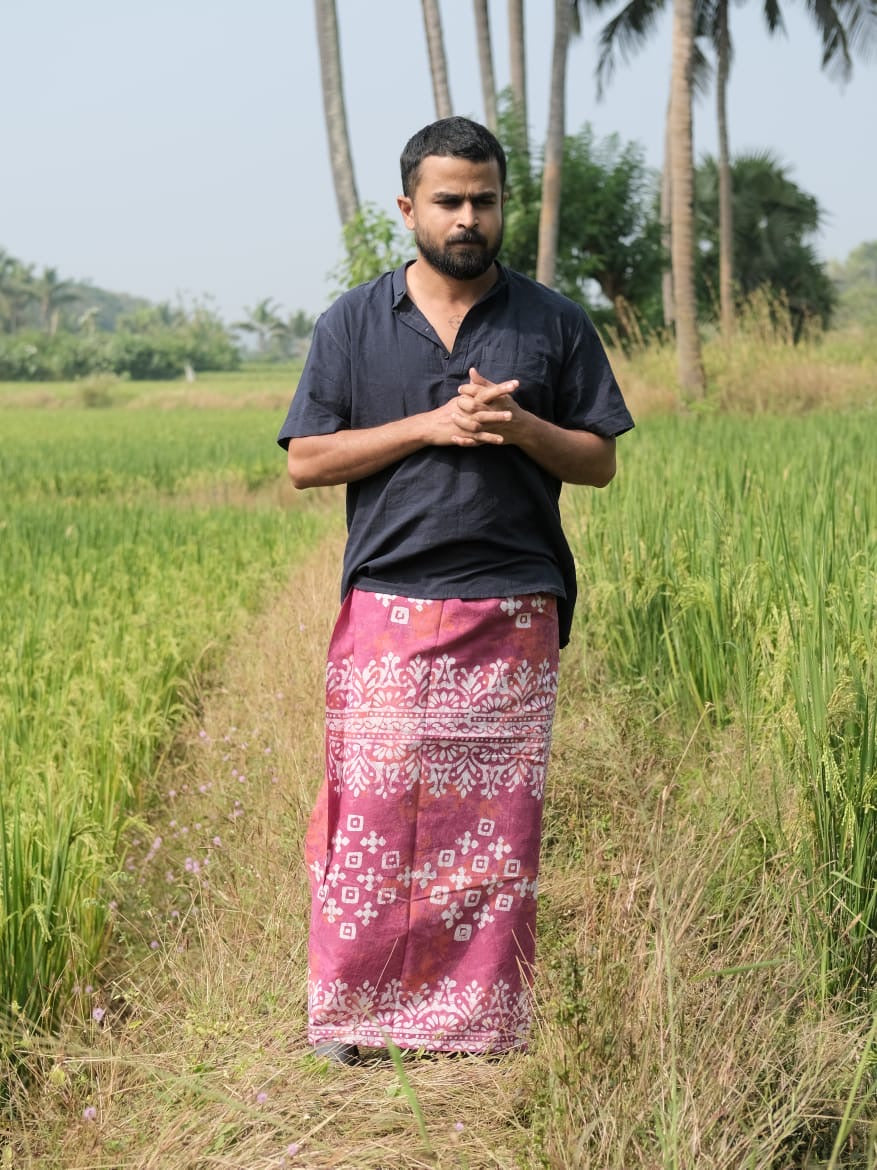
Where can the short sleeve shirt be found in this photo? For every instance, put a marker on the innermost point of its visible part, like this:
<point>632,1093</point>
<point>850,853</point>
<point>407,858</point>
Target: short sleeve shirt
<point>464,522</point>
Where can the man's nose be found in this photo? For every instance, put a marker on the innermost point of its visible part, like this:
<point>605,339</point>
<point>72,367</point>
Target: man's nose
<point>468,215</point>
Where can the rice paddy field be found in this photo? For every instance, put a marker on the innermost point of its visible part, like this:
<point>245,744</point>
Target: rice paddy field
<point>708,906</point>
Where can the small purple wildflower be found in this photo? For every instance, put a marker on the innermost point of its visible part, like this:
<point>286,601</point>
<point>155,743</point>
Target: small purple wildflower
<point>261,1098</point>
<point>217,841</point>
<point>89,1113</point>
<point>89,990</point>
<point>458,1126</point>
<point>98,1014</point>
<point>153,946</point>
<point>292,1149</point>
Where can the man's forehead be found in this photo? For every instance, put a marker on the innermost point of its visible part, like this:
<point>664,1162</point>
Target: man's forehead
<point>451,173</point>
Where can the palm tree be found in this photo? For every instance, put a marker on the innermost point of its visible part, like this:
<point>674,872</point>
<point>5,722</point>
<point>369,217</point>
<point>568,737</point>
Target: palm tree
<point>16,291</point>
<point>263,321</point>
<point>844,26</point>
<point>774,223</point>
<point>333,104</point>
<point>518,72</point>
<point>485,63</point>
<point>667,301</point>
<point>438,68</point>
<point>552,168</point>
<point>52,294</point>
<point>691,376</point>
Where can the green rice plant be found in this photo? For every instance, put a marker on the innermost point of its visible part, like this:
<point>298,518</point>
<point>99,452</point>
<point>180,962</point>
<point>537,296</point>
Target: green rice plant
<point>121,587</point>
<point>731,577</point>
<point>836,755</point>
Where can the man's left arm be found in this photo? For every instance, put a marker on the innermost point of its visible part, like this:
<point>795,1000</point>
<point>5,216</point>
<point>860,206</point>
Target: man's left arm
<point>573,456</point>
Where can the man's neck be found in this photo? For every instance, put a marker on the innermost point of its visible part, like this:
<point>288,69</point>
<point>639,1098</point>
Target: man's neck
<point>427,284</point>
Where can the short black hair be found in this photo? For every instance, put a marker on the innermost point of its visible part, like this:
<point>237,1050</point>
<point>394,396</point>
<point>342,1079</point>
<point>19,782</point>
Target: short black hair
<point>450,138</point>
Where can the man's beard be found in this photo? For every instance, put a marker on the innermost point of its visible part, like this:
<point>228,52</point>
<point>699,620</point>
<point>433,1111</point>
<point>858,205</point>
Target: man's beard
<point>458,262</point>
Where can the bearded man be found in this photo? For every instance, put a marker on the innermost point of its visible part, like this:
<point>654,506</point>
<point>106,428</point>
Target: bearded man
<point>453,397</point>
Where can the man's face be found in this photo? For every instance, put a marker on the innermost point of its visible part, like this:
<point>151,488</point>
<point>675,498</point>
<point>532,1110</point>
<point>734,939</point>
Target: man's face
<point>455,212</point>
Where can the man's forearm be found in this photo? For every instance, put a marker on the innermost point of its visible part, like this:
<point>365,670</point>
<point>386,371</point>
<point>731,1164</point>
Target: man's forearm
<point>571,456</point>
<point>345,456</point>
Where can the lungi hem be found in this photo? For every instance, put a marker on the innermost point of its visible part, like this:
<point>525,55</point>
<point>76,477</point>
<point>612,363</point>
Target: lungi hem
<point>419,1041</point>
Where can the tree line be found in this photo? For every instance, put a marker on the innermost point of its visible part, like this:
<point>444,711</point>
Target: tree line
<point>699,224</point>
<point>52,328</point>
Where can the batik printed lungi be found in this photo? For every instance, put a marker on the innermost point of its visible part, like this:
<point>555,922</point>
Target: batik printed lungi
<point>423,847</point>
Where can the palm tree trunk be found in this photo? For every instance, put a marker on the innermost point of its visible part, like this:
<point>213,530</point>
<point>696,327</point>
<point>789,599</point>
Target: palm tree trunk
<point>518,72</point>
<point>432,22</point>
<point>667,300</point>
<point>485,63</point>
<point>552,168</point>
<point>726,221</point>
<point>333,105</point>
<point>691,376</point>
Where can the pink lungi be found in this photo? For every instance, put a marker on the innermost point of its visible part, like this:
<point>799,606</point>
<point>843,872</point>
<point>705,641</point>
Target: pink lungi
<point>423,847</point>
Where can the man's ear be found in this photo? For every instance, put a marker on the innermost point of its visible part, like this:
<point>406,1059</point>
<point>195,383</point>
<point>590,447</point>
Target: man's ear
<point>406,205</point>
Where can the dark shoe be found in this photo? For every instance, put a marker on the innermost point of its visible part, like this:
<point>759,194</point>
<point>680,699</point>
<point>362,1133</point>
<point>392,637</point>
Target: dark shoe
<point>336,1052</point>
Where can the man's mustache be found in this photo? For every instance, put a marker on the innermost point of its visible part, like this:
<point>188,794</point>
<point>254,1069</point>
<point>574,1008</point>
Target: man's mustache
<point>472,237</point>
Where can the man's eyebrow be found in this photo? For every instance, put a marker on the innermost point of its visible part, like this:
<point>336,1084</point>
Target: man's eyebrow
<point>488,193</point>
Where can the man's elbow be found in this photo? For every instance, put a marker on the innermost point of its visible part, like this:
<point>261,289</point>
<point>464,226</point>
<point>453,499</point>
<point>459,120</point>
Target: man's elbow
<point>603,475</point>
<point>602,469</point>
<point>298,470</point>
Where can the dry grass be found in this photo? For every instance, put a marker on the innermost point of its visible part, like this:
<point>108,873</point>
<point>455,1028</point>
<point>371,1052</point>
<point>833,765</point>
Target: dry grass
<point>762,371</point>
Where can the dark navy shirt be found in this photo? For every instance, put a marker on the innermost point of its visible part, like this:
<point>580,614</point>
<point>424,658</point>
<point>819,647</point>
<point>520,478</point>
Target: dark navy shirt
<point>456,521</point>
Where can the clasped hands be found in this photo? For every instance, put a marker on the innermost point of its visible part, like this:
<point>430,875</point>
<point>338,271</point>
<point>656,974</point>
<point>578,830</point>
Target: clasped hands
<point>484,411</point>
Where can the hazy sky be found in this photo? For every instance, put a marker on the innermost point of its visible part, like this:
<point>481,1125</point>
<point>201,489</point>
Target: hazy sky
<point>178,147</point>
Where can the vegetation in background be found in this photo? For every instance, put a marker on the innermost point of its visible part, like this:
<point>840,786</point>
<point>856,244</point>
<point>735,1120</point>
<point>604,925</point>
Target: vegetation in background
<point>856,282</point>
<point>775,223</point>
<point>278,338</point>
<point>54,329</point>
<point>374,242</point>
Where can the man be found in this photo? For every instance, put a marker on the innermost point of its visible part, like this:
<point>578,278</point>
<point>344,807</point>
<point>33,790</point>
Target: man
<point>453,397</point>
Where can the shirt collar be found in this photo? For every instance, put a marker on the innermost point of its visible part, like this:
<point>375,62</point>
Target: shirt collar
<point>400,288</point>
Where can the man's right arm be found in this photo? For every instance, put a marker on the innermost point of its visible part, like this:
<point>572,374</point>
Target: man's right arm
<point>347,455</point>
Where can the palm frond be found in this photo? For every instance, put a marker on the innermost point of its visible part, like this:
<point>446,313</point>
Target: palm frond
<point>624,35</point>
